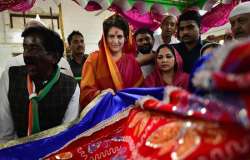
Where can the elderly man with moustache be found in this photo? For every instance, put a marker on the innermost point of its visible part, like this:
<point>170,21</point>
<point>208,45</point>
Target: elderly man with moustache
<point>240,20</point>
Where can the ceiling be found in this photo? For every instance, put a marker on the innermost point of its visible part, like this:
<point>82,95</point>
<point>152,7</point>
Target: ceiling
<point>180,4</point>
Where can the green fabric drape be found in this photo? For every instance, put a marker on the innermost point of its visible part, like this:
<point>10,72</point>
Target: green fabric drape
<point>36,99</point>
<point>181,4</point>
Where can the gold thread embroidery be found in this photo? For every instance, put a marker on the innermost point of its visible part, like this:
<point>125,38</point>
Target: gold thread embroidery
<point>118,116</point>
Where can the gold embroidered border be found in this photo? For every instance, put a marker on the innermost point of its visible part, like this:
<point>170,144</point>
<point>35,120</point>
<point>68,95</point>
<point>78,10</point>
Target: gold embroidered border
<point>55,130</point>
<point>118,116</point>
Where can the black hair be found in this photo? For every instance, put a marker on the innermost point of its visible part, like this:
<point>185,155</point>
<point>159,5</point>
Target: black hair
<point>190,15</point>
<point>116,21</point>
<point>144,30</point>
<point>69,39</point>
<point>170,47</point>
<point>51,41</point>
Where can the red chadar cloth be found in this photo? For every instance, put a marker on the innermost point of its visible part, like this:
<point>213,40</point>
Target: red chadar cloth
<point>183,125</point>
<point>150,134</point>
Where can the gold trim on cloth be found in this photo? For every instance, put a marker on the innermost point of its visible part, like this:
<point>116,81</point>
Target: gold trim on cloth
<point>55,130</point>
<point>115,118</point>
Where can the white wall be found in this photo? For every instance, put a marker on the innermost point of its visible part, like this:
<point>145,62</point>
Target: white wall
<point>74,18</point>
<point>9,39</point>
<point>88,23</point>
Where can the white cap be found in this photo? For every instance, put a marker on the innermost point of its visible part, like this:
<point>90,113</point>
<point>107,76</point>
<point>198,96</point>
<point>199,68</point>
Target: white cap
<point>241,8</point>
<point>35,23</point>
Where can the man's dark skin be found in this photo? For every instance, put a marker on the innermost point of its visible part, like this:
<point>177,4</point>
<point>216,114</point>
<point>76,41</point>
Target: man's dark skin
<point>39,63</point>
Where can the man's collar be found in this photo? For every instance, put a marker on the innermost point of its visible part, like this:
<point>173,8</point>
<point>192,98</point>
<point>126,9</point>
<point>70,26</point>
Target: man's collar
<point>82,58</point>
<point>198,43</point>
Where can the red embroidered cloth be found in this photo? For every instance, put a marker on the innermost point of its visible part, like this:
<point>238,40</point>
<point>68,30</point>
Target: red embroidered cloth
<point>148,134</point>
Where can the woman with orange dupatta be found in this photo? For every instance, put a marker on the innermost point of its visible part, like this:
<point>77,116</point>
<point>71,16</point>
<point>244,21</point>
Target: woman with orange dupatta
<point>113,67</point>
<point>168,69</point>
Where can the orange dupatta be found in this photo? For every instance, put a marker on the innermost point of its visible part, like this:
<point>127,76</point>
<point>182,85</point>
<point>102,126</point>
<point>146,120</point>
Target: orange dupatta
<point>100,72</point>
<point>105,57</point>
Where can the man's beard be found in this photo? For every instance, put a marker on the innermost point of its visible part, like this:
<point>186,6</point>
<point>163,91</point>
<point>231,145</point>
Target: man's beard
<point>145,49</point>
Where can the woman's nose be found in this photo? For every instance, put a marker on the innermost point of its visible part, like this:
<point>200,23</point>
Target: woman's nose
<point>115,39</point>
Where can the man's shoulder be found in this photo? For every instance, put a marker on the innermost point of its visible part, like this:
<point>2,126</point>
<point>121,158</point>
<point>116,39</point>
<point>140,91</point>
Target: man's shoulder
<point>177,45</point>
<point>70,60</point>
<point>85,56</point>
<point>67,78</point>
<point>180,47</point>
<point>17,70</point>
<point>66,85</point>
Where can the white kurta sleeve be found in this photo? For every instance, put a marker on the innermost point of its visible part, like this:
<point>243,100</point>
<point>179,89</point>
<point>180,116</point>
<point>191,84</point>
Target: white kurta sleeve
<point>65,67</point>
<point>6,123</point>
<point>72,111</point>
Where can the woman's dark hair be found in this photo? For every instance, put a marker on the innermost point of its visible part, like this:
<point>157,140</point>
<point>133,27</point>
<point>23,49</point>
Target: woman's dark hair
<point>51,41</point>
<point>116,21</point>
<point>171,48</point>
